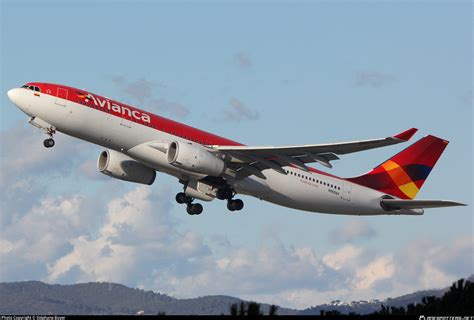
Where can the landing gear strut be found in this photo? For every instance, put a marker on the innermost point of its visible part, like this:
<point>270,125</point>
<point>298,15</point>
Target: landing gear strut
<point>191,208</point>
<point>49,143</point>
<point>225,193</point>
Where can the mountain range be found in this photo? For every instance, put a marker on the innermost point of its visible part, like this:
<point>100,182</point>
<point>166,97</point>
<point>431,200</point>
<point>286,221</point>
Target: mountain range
<point>35,297</point>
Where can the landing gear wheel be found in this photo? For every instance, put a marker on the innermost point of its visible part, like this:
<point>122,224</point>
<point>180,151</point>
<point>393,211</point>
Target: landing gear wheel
<point>235,205</point>
<point>182,198</point>
<point>195,208</point>
<point>239,204</point>
<point>230,206</point>
<point>48,143</point>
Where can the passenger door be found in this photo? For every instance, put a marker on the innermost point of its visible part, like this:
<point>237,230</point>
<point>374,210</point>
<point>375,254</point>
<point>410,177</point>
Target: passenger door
<point>61,97</point>
<point>346,191</point>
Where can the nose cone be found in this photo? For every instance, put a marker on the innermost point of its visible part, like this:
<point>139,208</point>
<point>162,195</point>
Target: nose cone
<point>17,96</point>
<point>13,95</point>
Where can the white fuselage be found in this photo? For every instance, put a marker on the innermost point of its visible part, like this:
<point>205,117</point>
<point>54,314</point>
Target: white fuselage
<point>308,191</point>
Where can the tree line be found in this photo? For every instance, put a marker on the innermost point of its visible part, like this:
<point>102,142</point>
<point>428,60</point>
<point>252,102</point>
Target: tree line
<point>458,300</point>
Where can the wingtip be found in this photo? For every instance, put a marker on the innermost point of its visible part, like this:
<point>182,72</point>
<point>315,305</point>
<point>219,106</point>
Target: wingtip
<point>406,135</point>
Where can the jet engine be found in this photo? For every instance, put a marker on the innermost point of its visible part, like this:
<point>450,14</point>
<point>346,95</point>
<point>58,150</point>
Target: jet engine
<point>195,158</point>
<point>118,165</point>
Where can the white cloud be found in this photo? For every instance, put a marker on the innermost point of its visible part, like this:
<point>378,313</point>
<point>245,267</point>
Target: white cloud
<point>137,231</point>
<point>352,230</point>
<point>30,240</point>
<point>379,269</point>
<point>28,169</point>
<point>23,153</point>
<point>345,257</point>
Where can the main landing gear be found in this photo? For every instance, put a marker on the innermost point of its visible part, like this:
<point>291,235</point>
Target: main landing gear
<point>191,208</point>
<point>222,194</point>
<point>49,143</point>
<point>228,194</point>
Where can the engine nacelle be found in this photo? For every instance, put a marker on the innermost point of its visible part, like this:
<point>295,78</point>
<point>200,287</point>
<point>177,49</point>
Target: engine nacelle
<point>118,165</point>
<point>193,157</point>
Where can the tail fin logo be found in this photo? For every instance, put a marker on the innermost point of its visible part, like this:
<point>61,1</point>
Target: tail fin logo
<point>404,174</point>
<point>401,179</point>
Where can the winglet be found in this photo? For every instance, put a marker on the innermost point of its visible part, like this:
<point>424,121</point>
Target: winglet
<point>406,135</point>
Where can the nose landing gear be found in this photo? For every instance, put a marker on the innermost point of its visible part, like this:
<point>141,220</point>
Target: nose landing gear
<point>49,143</point>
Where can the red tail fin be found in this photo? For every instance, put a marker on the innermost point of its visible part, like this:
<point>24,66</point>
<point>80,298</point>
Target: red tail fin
<point>403,175</point>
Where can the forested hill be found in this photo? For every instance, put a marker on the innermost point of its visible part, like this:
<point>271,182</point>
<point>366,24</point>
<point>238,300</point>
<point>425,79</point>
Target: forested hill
<point>34,297</point>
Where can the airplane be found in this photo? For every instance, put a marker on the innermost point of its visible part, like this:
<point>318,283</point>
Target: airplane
<point>139,143</point>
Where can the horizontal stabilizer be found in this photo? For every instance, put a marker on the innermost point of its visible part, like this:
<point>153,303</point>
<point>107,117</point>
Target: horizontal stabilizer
<point>396,204</point>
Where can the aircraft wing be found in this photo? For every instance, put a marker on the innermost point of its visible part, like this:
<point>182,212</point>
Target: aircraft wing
<point>247,160</point>
<point>395,204</point>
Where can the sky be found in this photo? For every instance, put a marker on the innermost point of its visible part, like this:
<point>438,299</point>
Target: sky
<point>261,73</point>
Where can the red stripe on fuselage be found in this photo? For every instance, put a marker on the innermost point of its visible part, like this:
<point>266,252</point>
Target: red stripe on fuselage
<point>156,122</point>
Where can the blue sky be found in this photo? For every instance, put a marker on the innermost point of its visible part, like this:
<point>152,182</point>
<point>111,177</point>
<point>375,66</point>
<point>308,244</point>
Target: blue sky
<point>261,73</point>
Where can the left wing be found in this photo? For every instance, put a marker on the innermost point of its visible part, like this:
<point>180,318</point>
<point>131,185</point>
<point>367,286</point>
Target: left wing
<point>252,160</point>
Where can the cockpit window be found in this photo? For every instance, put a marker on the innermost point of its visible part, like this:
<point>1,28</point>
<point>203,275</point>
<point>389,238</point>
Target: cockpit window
<point>34,88</point>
